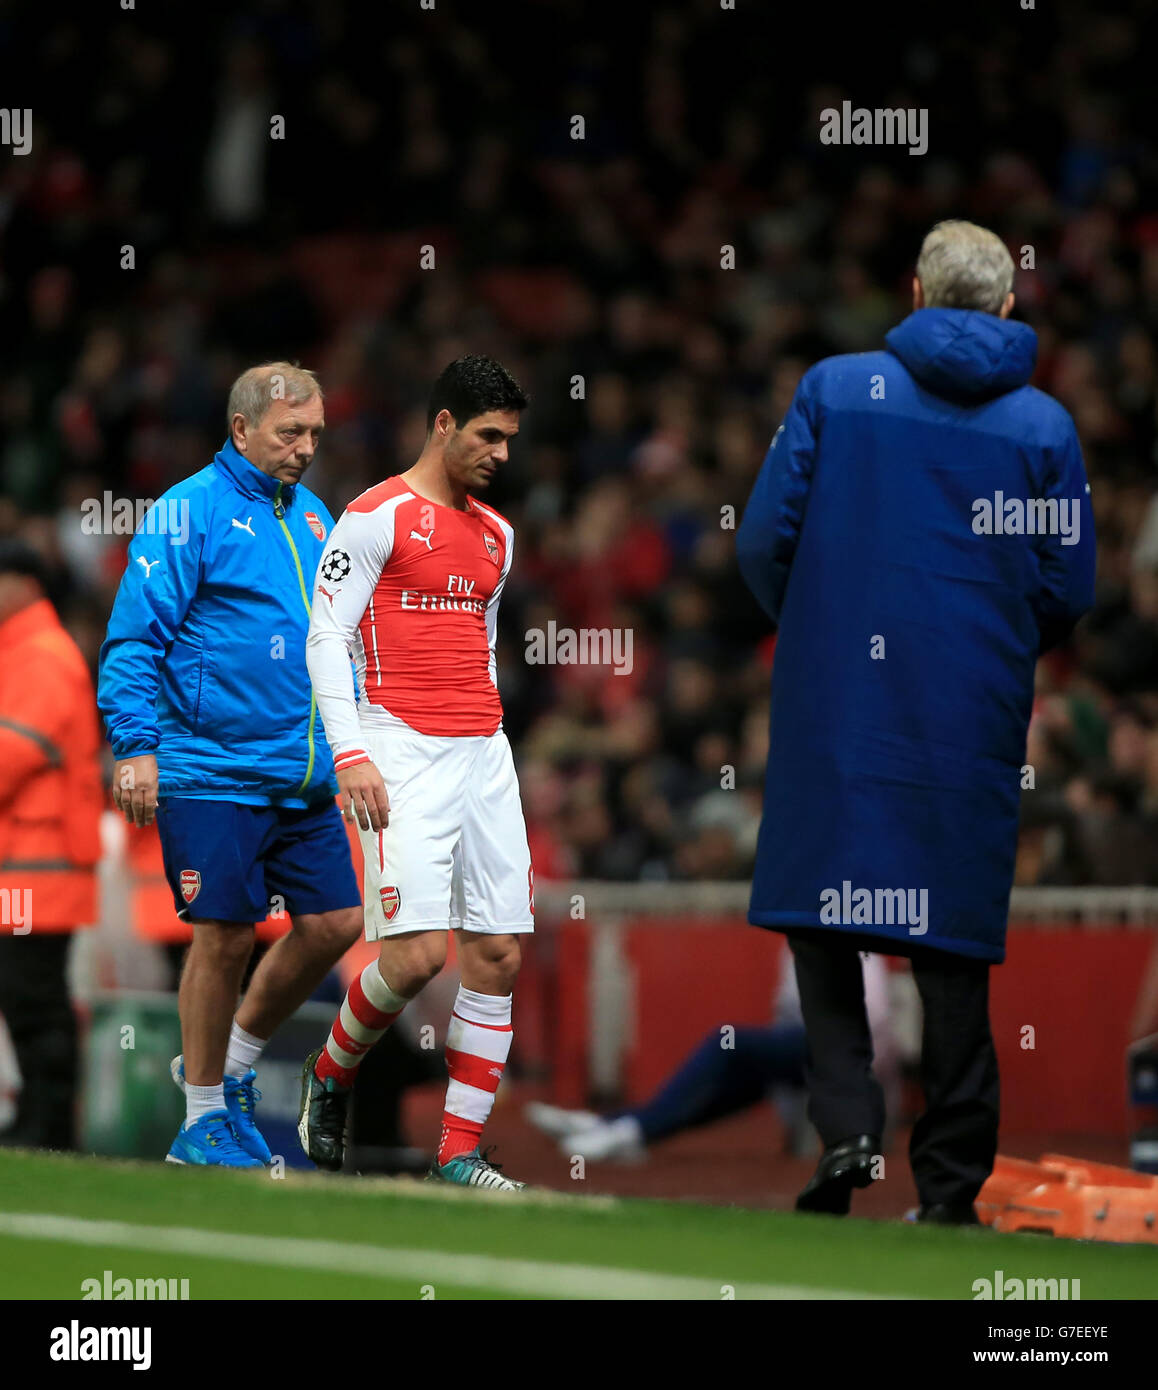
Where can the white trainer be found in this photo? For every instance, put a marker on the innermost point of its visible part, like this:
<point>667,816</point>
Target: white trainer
<point>558,1122</point>
<point>616,1141</point>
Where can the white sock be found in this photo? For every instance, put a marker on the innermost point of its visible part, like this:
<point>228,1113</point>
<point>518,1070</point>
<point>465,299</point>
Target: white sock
<point>199,1100</point>
<point>379,993</point>
<point>244,1050</point>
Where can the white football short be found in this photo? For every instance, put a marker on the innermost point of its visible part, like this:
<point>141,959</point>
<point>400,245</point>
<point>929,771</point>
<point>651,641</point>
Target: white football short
<point>454,854</point>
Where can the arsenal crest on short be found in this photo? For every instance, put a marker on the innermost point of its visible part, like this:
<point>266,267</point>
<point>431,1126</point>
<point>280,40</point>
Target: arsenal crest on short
<point>391,901</point>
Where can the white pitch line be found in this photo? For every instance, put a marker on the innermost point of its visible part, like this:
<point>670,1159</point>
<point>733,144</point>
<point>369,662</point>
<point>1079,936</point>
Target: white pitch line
<point>530,1277</point>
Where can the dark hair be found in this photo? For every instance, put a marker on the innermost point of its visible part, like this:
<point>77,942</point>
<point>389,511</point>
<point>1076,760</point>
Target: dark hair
<point>471,386</point>
<point>19,557</point>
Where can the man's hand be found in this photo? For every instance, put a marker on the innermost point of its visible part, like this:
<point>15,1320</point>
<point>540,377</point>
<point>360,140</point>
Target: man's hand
<point>363,795</point>
<point>135,788</point>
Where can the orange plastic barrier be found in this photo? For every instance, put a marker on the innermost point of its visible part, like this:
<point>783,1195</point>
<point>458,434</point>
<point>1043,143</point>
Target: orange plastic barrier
<point>1071,1197</point>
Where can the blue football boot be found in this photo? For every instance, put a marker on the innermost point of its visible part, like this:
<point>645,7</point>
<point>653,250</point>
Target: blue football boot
<point>210,1142</point>
<point>241,1097</point>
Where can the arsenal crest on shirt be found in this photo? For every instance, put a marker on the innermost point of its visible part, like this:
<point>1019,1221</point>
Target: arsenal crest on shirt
<point>315,525</point>
<point>190,884</point>
<point>492,547</point>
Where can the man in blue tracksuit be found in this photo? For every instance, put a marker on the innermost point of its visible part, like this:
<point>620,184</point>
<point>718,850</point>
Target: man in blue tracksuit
<point>209,709</point>
<point>921,531</point>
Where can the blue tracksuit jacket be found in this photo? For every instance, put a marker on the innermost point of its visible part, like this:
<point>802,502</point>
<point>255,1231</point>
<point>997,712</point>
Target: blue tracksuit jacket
<point>204,661</point>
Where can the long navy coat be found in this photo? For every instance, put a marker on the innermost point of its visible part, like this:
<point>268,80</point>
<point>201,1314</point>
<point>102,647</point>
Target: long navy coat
<point>887,535</point>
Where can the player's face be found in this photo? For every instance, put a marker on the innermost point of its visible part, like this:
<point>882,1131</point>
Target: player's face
<point>284,441</point>
<point>474,452</point>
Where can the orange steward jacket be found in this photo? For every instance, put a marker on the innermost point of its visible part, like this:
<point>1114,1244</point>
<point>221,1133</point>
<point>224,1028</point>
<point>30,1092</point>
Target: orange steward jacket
<point>50,777</point>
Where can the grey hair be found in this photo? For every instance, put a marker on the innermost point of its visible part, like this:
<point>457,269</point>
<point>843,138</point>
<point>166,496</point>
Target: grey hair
<point>254,390</point>
<point>964,266</point>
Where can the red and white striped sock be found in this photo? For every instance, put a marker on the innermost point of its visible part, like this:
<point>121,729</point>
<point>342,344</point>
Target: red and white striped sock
<point>477,1045</point>
<point>369,1008</point>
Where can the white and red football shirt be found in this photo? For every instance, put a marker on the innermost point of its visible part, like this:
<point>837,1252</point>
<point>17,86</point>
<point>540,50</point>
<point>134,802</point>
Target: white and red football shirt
<point>410,589</point>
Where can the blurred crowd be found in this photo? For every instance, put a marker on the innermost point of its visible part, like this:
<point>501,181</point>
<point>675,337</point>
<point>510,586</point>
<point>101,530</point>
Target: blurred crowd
<point>424,196</point>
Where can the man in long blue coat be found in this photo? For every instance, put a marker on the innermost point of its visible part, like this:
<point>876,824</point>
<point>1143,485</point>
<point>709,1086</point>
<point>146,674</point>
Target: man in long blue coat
<point>921,532</point>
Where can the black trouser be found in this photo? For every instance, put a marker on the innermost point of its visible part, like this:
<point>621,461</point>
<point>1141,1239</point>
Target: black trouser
<point>954,1143</point>
<point>36,1007</point>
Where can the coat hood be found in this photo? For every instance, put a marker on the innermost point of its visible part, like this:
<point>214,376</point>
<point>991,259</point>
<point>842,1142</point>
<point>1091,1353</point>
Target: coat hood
<point>965,355</point>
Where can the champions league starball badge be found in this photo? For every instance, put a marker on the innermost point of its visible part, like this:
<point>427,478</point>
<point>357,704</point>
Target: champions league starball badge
<point>336,566</point>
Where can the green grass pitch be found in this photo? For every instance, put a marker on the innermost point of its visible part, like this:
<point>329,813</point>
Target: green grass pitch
<point>233,1235</point>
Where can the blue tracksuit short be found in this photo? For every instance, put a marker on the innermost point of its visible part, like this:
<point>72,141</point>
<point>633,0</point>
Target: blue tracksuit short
<point>236,863</point>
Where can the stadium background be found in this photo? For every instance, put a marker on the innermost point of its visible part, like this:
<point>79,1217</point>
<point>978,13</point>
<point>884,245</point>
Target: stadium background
<point>600,258</point>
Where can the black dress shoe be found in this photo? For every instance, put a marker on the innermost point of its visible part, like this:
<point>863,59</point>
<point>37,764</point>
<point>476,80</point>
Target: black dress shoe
<point>842,1167</point>
<point>949,1214</point>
